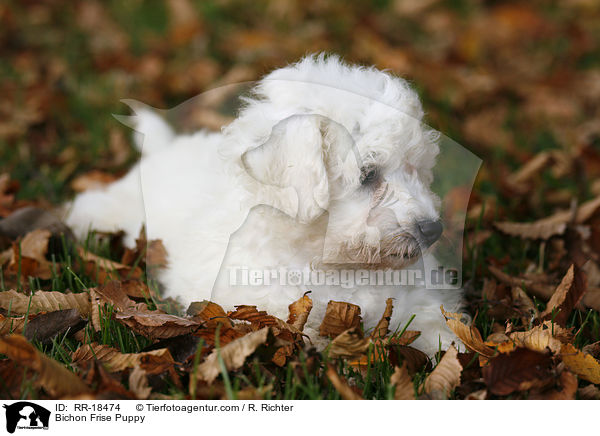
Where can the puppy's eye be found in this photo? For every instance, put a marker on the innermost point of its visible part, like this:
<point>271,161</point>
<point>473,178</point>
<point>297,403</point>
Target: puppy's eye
<point>368,175</point>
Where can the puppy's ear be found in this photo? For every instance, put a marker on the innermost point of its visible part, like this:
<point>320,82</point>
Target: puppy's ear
<point>295,155</point>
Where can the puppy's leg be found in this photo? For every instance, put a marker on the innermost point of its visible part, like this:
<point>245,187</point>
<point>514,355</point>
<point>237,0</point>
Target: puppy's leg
<point>119,206</point>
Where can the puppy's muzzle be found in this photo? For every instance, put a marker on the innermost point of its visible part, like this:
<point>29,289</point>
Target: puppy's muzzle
<point>429,231</point>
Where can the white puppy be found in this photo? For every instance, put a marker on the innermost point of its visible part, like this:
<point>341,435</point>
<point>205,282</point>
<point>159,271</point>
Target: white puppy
<point>326,168</point>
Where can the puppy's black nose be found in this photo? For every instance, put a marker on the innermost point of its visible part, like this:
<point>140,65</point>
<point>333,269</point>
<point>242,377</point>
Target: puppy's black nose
<point>430,231</point>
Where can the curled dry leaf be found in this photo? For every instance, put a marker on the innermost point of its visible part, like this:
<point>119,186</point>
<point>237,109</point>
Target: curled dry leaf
<point>565,389</point>
<point>43,301</point>
<point>253,316</point>
<point>406,338</point>
<point>116,361</point>
<point>29,256</point>
<point>233,355</point>
<point>553,225</point>
<point>208,311</point>
<point>299,311</point>
<point>400,379</point>
<point>568,294</point>
<point>381,329</point>
<point>582,364</point>
<point>57,380</point>
<point>339,317</point>
<point>519,370</point>
<point>155,324</point>
<point>469,335</point>
<point>446,375</point>
<point>341,385</point>
<point>350,343</point>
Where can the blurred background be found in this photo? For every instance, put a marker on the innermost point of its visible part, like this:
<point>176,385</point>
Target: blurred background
<point>511,81</point>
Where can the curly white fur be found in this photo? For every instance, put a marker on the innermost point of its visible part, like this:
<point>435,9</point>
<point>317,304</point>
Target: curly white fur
<point>283,186</point>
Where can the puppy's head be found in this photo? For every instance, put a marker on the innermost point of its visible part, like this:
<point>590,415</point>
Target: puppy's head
<point>350,141</point>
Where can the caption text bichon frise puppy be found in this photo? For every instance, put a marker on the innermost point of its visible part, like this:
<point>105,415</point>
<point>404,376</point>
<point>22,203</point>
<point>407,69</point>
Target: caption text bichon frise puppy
<point>327,168</point>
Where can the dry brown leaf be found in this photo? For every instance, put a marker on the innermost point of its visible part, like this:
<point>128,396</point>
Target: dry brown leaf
<point>45,326</point>
<point>518,180</point>
<point>469,335</point>
<point>407,337</point>
<point>350,343</point>
<point>584,365</point>
<point>568,294</point>
<point>341,385</point>
<point>44,301</point>
<point>233,355</point>
<point>553,225</point>
<point>138,383</point>
<point>537,339</point>
<point>400,379</point>
<point>565,389</point>
<point>525,304</point>
<point>155,324</point>
<point>116,361</point>
<point>10,325</point>
<point>299,311</point>
<point>57,380</point>
<point>446,375</point>
<point>381,329</point>
<point>29,256</point>
<point>339,317</point>
<point>208,311</point>
<point>519,370</point>
<point>253,316</point>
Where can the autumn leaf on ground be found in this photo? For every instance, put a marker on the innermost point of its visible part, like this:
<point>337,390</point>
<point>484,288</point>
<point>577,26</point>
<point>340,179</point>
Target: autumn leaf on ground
<point>565,389</point>
<point>584,365</point>
<point>29,255</point>
<point>537,288</point>
<point>52,376</point>
<point>400,379</point>
<point>519,370</point>
<point>10,325</point>
<point>551,226</point>
<point>116,361</point>
<point>44,301</point>
<point>155,324</point>
<point>232,355</point>
<point>539,339</point>
<point>46,326</point>
<point>381,329</point>
<point>590,392</point>
<point>445,377</point>
<point>350,343</point>
<point>299,311</point>
<point>341,385</point>
<point>339,317</point>
<point>138,383</point>
<point>92,180</point>
<point>568,294</point>
<point>470,336</point>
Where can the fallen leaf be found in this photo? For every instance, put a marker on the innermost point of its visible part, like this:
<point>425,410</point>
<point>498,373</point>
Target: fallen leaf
<point>350,343</point>
<point>341,385</point>
<point>299,311</point>
<point>565,389</point>
<point>406,338</point>
<point>57,380</point>
<point>155,324</point>
<point>233,355</point>
<point>10,325</point>
<point>29,255</point>
<point>104,270</point>
<point>568,294</point>
<point>46,326</point>
<point>536,287</point>
<point>339,317</point>
<point>400,379</point>
<point>584,365</point>
<point>381,329</point>
<point>539,338</point>
<point>44,301</point>
<point>92,180</point>
<point>116,361</point>
<point>519,370</point>
<point>446,375</point>
<point>469,335</point>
